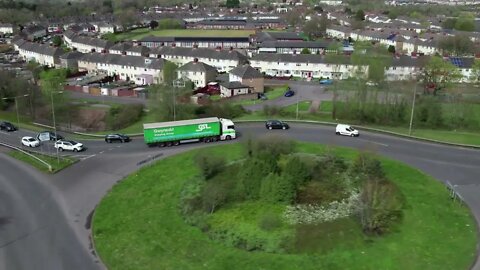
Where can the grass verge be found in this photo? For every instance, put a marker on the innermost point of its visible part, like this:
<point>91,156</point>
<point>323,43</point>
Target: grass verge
<point>56,166</point>
<point>143,32</point>
<point>138,226</point>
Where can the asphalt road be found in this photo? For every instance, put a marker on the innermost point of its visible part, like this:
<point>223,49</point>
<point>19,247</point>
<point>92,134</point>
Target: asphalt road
<point>79,189</point>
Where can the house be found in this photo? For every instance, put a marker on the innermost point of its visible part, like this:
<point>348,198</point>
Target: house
<point>86,44</point>
<point>54,29</point>
<point>405,67</point>
<point>306,66</point>
<point>141,70</point>
<point>201,42</point>
<point>120,48</point>
<point>197,72</point>
<point>34,32</point>
<point>70,60</point>
<point>81,27</point>
<point>247,75</point>
<point>293,47</point>
<point>230,89</point>
<point>6,29</point>
<point>222,60</point>
<point>105,28</point>
<point>41,53</point>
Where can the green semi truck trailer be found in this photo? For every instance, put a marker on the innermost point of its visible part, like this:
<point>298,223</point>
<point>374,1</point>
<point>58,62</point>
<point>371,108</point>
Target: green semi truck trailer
<point>175,132</point>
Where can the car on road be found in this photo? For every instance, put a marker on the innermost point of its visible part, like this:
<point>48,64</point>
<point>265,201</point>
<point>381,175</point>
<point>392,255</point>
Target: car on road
<point>116,138</point>
<point>49,136</point>
<point>326,81</point>
<point>289,93</point>
<point>276,124</point>
<point>7,126</point>
<point>69,146</point>
<point>346,130</point>
<point>30,141</point>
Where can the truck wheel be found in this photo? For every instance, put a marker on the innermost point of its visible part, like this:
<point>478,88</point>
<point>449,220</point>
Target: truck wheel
<point>176,143</point>
<point>169,144</point>
<point>206,140</point>
<point>228,137</point>
<point>161,144</point>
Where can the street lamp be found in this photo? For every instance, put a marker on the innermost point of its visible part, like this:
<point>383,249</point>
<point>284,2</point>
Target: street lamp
<point>16,105</point>
<point>54,123</point>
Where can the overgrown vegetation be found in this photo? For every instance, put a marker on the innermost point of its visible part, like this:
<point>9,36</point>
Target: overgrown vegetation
<point>158,237</point>
<point>121,116</point>
<point>310,189</point>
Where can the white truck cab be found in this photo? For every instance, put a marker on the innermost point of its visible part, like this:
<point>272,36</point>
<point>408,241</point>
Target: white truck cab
<point>346,130</point>
<point>228,129</point>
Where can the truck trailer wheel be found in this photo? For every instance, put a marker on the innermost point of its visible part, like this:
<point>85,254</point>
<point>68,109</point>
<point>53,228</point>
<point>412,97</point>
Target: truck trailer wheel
<point>169,144</point>
<point>206,140</point>
<point>176,143</point>
<point>161,144</point>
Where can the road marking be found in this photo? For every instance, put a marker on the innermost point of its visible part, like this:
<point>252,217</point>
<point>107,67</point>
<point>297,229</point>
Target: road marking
<point>102,152</point>
<point>87,157</point>
<point>382,144</point>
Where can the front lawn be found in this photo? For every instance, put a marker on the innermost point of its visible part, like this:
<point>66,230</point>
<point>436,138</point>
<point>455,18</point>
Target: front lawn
<point>138,226</point>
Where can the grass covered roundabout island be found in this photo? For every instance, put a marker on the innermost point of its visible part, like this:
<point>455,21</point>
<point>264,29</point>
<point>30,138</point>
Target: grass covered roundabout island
<point>275,204</point>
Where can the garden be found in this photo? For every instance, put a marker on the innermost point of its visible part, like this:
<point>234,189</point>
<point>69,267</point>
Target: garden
<point>275,204</point>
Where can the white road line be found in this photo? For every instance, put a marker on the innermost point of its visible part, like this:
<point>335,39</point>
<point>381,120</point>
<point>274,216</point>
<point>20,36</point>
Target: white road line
<point>87,157</point>
<point>382,144</point>
<point>102,152</point>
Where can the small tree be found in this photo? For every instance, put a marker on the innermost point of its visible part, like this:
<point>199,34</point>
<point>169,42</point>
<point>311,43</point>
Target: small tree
<point>153,24</point>
<point>233,3</point>
<point>439,74</point>
<point>305,51</point>
<point>214,195</point>
<point>210,165</point>
<point>475,75</point>
<point>360,15</point>
<point>169,73</point>
<point>381,206</point>
<point>391,49</point>
<point>57,41</point>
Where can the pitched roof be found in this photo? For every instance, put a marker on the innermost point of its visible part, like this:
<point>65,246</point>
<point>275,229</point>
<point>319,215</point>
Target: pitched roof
<point>94,42</point>
<point>295,44</point>
<point>124,60</point>
<point>201,53</point>
<point>72,55</point>
<point>198,67</point>
<point>41,49</point>
<point>122,46</point>
<point>276,36</point>
<point>246,72</point>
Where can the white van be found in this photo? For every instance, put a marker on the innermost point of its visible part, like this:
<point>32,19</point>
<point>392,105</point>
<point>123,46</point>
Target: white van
<point>346,130</point>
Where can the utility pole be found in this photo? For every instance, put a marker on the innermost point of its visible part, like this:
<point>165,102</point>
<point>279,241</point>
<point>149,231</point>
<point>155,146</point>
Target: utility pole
<point>413,109</point>
<point>54,123</point>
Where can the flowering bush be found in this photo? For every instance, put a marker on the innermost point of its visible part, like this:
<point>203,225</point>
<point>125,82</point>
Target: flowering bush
<point>311,214</point>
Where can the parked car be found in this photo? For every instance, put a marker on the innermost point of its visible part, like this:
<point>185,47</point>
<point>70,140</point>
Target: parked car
<point>346,130</point>
<point>289,93</point>
<point>262,96</point>
<point>69,146</point>
<point>276,124</point>
<point>30,141</point>
<point>326,81</point>
<point>7,126</point>
<point>49,136</point>
<point>116,138</point>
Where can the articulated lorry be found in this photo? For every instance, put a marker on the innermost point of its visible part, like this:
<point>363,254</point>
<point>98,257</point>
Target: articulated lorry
<point>173,133</point>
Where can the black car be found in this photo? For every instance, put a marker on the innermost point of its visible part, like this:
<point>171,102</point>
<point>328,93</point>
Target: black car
<point>116,138</point>
<point>49,136</point>
<point>276,124</point>
<point>7,126</point>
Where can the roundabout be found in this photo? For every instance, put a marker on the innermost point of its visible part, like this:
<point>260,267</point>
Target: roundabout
<point>80,188</point>
<point>139,225</point>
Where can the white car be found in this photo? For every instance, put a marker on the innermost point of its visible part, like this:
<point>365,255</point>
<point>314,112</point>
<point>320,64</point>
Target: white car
<point>69,146</point>
<point>346,130</point>
<point>30,141</point>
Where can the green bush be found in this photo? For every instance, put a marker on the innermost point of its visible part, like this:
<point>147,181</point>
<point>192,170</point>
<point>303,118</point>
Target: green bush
<point>224,110</point>
<point>210,165</point>
<point>277,188</point>
<point>271,110</point>
<point>121,116</point>
<point>367,164</point>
